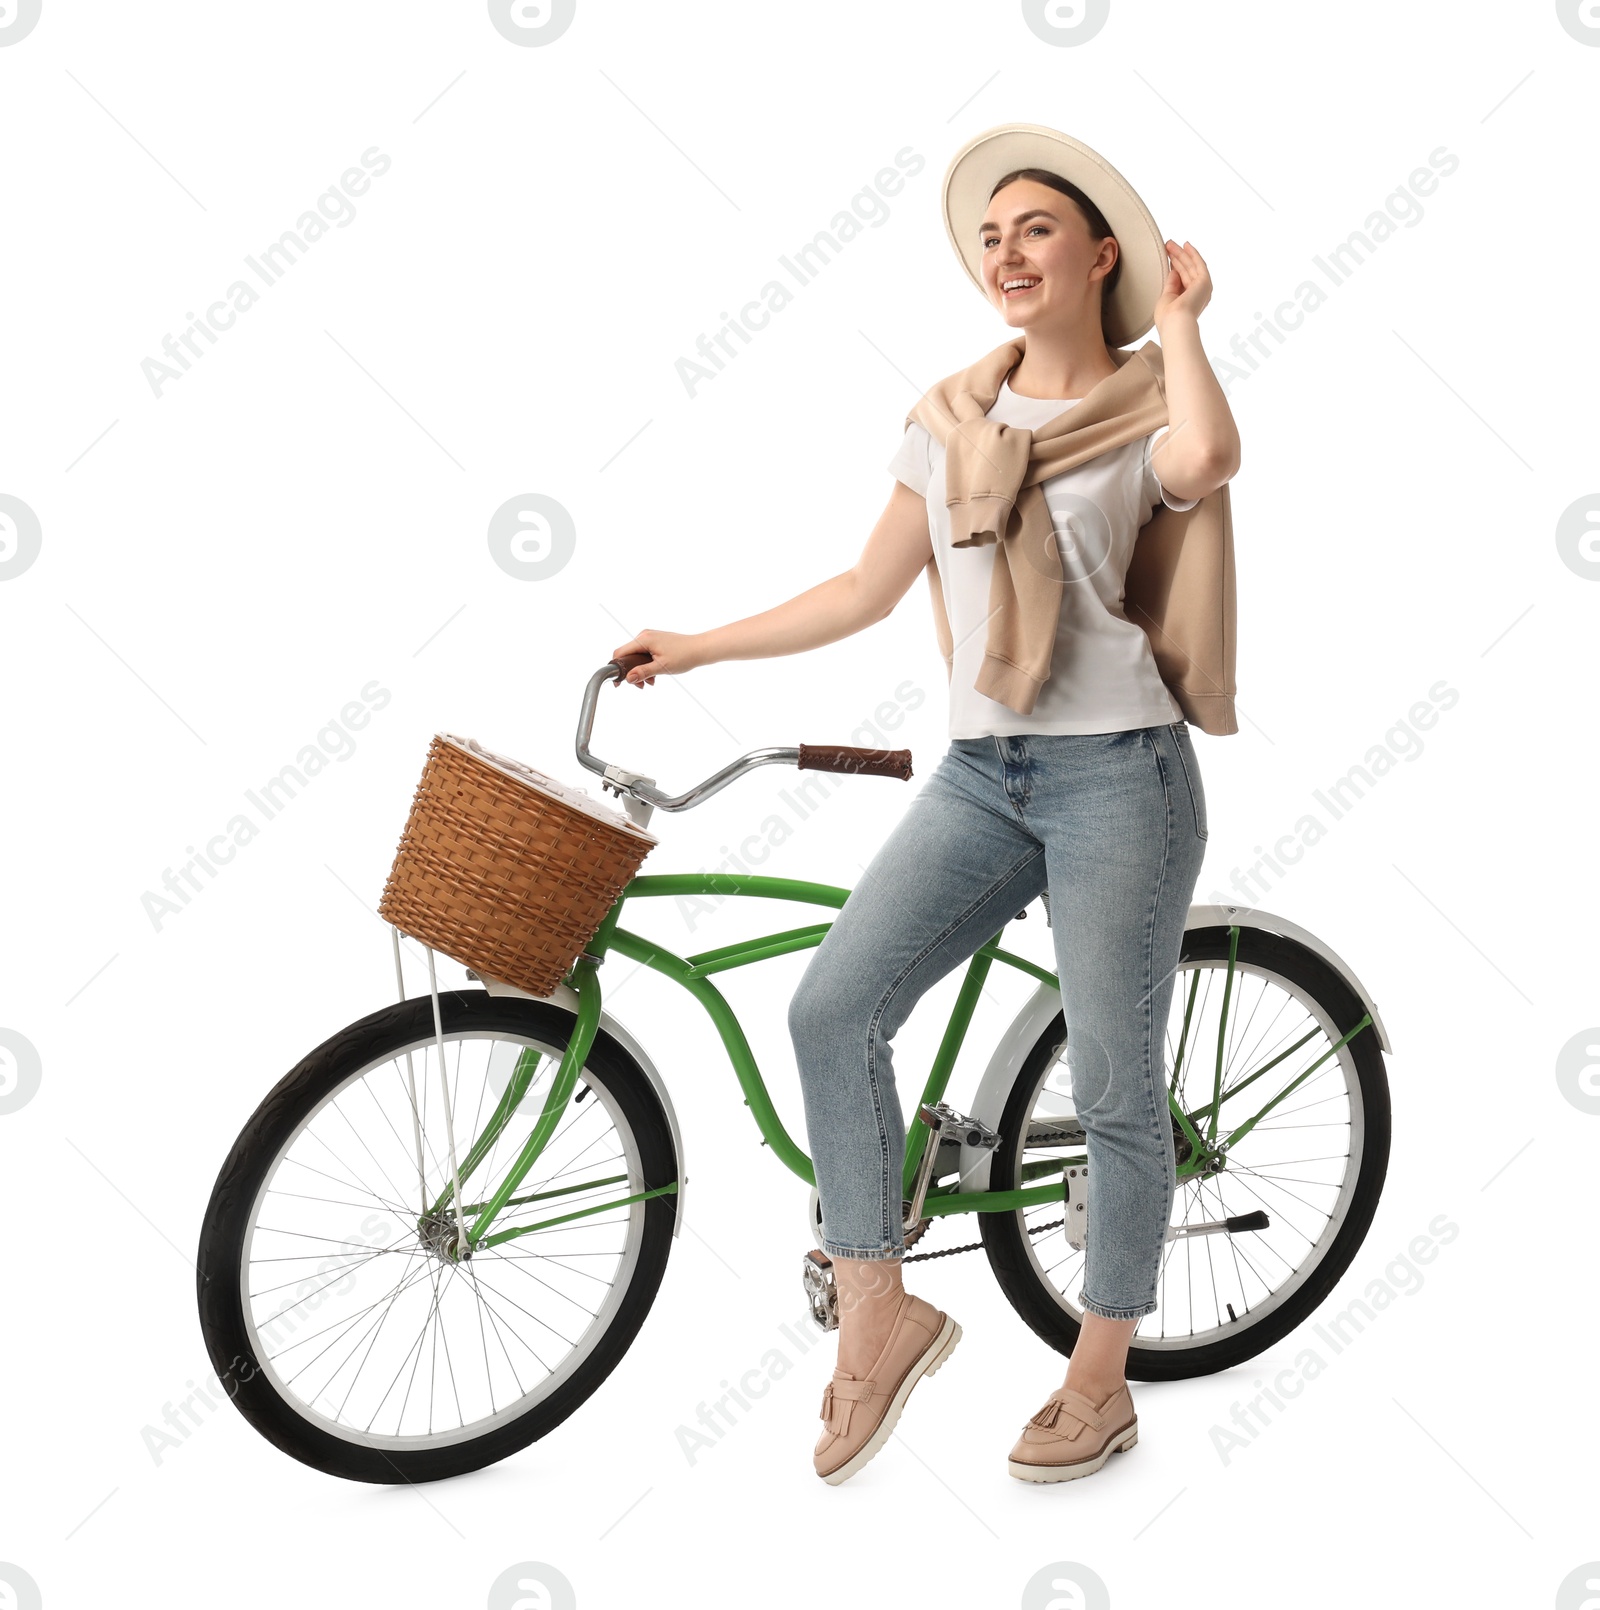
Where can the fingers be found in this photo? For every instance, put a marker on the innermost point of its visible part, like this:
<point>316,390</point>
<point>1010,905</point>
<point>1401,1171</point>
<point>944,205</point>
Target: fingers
<point>641,675</point>
<point>1193,280</point>
<point>634,645</point>
<point>1187,261</point>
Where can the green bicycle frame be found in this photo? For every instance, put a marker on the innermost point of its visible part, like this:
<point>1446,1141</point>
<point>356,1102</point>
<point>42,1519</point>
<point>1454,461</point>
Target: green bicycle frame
<point>1199,1127</point>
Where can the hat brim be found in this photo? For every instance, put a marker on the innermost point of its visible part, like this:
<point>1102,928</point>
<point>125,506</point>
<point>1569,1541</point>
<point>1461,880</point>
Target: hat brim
<point>989,156</point>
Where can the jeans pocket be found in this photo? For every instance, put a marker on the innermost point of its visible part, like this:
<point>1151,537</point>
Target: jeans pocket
<point>1191,774</point>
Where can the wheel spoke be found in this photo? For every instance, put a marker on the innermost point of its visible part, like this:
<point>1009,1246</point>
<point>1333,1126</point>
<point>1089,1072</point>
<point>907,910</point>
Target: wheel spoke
<point>360,1316</point>
<point>1275,1046</point>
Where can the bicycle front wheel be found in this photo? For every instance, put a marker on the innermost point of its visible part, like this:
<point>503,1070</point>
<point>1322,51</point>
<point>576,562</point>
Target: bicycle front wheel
<point>1303,1130</point>
<point>334,1305</point>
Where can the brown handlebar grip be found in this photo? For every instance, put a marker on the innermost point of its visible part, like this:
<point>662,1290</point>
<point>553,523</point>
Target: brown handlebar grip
<point>860,762</point>
<point>626,662</point>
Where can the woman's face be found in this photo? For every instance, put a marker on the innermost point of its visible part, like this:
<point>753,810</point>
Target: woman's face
<point>1036,235</point>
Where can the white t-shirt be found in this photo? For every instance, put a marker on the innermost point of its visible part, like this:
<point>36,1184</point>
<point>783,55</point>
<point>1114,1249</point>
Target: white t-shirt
<point>1103,675</point>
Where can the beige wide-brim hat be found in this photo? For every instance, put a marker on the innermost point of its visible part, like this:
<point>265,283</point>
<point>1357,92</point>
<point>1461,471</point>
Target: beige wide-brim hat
<point>989,156</point>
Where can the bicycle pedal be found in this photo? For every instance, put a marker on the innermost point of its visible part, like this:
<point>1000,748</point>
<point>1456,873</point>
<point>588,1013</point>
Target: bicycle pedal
<point>821,1291</point>
<point>957,1126</point>
<point>947,1125</point>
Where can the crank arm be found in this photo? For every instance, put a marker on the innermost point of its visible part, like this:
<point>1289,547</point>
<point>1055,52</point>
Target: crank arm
<point>943,1120</point>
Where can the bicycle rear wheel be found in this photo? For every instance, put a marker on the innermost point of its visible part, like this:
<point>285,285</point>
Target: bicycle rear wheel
<point>1315,1163</point>
<point>333,1306</point>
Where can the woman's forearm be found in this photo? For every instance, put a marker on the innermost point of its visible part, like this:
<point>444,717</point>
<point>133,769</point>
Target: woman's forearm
<point>1202,434</point>
<point>822,614</point>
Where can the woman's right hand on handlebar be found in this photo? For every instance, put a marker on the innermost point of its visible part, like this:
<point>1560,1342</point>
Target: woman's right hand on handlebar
<point>671,654</point>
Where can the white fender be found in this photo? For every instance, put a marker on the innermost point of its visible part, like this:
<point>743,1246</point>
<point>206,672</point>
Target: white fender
<point>565,995</point>
<point>1024,1031</point>
<point>1255,917</point>
<point>998,1078</point>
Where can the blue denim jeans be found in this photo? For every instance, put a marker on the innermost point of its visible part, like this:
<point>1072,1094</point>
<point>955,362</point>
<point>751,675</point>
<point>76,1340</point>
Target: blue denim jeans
<point>1111,828</point>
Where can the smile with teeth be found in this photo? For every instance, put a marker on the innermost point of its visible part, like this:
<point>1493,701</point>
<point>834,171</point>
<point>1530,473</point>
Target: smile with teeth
<point>1018,285</point>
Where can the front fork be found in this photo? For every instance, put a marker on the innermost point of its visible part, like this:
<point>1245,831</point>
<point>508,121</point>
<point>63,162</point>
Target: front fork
<point>560,1092</point>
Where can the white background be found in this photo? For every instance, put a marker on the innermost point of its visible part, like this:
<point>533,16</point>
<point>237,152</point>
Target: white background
<point>225,566</point>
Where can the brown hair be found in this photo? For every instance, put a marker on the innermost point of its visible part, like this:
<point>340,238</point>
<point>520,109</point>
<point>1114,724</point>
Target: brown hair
<point>1096,220</point>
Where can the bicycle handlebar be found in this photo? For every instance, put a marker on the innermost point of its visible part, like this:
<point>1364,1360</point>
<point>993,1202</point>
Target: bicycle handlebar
<point>862,762</point>
<point>627,662</point>
<point>811,757</point>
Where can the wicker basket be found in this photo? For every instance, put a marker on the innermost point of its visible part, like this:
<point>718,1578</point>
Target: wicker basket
<point>504,869</point>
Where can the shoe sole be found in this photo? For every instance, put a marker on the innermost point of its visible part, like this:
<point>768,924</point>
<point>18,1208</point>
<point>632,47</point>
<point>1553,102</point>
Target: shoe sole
<point>1083,1467</point>
<point>939,1350</point>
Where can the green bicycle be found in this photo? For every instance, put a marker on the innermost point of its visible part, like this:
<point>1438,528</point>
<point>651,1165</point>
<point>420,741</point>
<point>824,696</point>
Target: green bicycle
<point>370,1322</point>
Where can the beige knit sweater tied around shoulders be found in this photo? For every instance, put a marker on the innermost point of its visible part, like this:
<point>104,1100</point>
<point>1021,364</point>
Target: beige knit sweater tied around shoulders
<point>1180,581</point>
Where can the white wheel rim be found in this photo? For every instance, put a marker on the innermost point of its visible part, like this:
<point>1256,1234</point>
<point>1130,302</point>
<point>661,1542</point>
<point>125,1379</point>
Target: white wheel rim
<point>503,1382</point>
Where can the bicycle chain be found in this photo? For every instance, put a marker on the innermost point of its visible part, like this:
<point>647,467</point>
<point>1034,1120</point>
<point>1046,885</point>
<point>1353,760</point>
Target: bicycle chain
<point>972,1246</point>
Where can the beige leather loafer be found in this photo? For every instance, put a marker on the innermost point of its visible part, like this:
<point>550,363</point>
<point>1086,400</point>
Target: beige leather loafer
<point>1070,1436</point>
<point>860,1412</point>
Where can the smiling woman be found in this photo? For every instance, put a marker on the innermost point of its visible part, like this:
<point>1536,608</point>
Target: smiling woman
<point>1038,221</point>
<point>1048,492</point>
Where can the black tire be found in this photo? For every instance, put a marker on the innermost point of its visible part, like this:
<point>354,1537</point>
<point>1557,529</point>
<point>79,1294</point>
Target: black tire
<point>229,1337</point>
<point>1010,1248</point>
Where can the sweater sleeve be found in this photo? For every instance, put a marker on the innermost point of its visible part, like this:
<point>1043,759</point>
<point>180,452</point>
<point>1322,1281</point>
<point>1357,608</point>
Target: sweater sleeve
<point>1154,492</point>
<point>912,462</point>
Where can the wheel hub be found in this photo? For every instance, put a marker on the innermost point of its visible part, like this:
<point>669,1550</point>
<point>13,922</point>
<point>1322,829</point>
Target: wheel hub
<point>1212,1159</point>
<point>437,1232</point>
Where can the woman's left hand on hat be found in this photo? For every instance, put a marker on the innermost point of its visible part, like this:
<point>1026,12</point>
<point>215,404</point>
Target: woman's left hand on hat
<point>1188,285</point>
